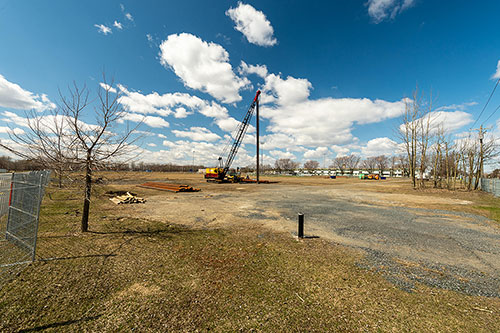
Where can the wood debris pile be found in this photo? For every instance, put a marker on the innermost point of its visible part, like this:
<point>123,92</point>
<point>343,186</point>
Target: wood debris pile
<point>127,198</point>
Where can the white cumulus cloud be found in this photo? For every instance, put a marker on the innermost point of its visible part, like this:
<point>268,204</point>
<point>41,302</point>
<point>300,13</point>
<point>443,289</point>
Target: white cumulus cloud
<point>181,112</point>
<point>318,122</point>
<point>451,121</point>
<point>151,121</point>
<point>446,121</point>
<point>253,24</point>
<point>497,73</point>
<point>380,10</point>
<point>8,130</point>
<point>202,66</point>
<point>380,146</point>
<point>106,86</point>
<point>180,105</point>
<point>319,152</point>
<point>245,69</point>
<point>197,134</point>
<point>103,29</point>
<point>282,154</point>
<point>15,97</point>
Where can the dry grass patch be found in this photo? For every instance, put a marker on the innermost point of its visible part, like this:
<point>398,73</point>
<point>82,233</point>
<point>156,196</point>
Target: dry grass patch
<point>153,276</point>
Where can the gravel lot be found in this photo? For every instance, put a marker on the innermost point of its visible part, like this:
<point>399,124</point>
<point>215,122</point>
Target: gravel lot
<point>436,247</point>
<point>440,248</point>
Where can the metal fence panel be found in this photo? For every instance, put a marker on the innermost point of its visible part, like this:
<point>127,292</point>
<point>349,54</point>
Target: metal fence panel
<point>21,195</point>
<point>491,186</point>
<point>5,187</point>
<point>24,208</point>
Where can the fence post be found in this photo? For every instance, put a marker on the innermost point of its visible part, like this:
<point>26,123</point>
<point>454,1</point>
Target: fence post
<point>40,193</point>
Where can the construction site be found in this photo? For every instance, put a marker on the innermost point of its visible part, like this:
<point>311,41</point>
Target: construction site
<point>268,167</point>
<point>227,250</point>
<point>228,255</point>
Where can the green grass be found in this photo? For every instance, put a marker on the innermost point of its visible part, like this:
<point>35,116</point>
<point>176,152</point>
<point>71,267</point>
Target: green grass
<point>493,212</point>
<point>151,276</point>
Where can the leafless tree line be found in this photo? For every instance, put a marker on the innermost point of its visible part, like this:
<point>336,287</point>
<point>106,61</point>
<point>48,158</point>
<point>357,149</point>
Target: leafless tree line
<point>432,152</point>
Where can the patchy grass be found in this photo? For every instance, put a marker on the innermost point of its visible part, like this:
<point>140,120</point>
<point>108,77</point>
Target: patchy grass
<point>152,276</point>
<point>493,211</point>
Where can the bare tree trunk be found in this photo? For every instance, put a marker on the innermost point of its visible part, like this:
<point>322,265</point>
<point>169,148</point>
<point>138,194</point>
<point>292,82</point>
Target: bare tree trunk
<point>456,160</point>
<point>60,175</point>
<point>464,171</point>
<point>447,165</point>
<point>88,191</point>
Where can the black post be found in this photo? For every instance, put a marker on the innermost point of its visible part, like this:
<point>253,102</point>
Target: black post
<point>257,143</point>
<point>300,234</point>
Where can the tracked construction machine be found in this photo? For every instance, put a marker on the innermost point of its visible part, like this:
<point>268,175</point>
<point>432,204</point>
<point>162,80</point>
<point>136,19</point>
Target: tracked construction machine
<point>222,173</point>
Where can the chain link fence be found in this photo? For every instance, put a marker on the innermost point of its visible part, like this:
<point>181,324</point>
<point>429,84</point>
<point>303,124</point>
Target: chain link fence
<point>491,186</point>
<point>21,195</point>
<point>5,183</point>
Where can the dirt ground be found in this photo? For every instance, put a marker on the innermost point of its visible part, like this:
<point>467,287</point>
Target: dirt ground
<point>426,236</point>
<point>388,259</point>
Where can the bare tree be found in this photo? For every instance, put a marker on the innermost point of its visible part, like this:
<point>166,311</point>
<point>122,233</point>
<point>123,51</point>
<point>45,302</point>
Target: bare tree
<point>382,163</point>
<point>46,140</point>
<point>285,164</point>
<point>415,133</point>
<point>352,162</point>
<point>408,134</point>
<point>60,140</point>
<point>310,165</point>
<point>370,164</point>
<point>424,131</point>
<point>403,163</point>
<point>99,143</point>
<point>340,163</point>
<point>394,163</point>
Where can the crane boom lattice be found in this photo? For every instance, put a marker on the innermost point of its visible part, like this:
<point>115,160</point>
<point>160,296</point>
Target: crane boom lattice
<point>241,130</point>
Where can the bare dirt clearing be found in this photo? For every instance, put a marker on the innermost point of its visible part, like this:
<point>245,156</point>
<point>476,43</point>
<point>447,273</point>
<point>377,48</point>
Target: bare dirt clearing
<point>408,237</point>
<point>237,268</point>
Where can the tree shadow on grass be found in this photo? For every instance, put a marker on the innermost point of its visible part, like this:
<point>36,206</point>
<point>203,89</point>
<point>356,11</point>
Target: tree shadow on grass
<point>60,324</point>
<point>79,257</point>
<point>147,232</point>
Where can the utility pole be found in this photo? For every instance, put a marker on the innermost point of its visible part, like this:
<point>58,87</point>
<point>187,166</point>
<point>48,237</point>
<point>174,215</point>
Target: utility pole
<point>257,128</point>
<point>481,155</point>
<point>193,160</point>
<point>479,175</point>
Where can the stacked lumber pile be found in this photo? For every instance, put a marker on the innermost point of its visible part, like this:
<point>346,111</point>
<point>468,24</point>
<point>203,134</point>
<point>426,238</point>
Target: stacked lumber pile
<point>127,198</point>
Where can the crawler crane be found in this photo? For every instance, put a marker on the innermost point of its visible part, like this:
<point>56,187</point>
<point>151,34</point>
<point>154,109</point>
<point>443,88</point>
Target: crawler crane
<point>221,174</point>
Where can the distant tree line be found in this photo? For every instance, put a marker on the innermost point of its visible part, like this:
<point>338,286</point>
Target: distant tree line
<point>10,164</point>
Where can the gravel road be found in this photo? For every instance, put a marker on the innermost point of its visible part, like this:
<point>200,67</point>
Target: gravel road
<point>440,248</point>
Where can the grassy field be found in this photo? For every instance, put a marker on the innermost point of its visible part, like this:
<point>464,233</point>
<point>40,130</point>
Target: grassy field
<point>147,275</point>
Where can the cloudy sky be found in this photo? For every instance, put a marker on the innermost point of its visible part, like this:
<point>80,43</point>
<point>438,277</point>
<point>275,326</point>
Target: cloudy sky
<point>333,74</point>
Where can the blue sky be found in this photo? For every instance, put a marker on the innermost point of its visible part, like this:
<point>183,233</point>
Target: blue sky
<point>333,73</point>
